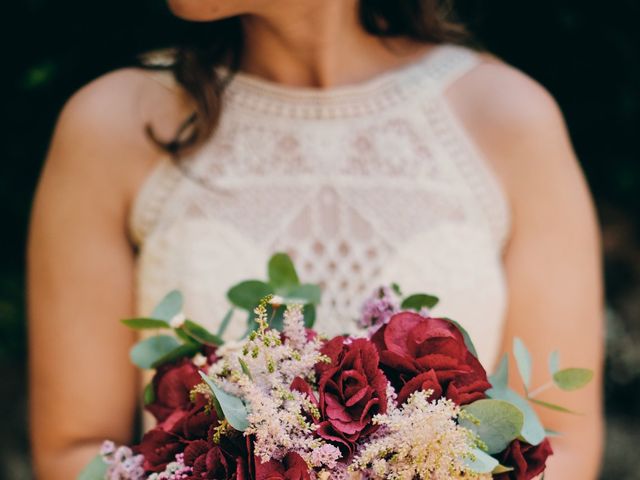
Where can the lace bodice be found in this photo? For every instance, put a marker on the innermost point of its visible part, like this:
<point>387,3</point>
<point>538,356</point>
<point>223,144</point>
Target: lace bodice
<point>362,185</point>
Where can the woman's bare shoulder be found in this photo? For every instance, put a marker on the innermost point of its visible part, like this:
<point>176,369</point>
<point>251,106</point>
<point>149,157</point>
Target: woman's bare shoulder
<point>515,121</point>
<point>100,132</point>
<point>118,105</point>
<point>498,99</point>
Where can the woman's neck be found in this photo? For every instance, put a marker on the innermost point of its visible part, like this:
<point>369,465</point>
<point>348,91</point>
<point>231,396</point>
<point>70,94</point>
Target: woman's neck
<point>318,44</point>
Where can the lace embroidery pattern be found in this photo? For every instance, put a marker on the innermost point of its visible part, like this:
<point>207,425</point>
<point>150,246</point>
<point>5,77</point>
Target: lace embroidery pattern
<point>357,184</point>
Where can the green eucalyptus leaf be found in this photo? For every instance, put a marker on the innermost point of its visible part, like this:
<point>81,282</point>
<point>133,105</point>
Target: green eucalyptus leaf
<point>282,273</point>
<point>182,335</point>
<point>309,312</point>
<point>467,338</point>
<point>186,350</point>
<point>396,288</point>
<point>499,423</point>
<point>523,361</point>
<point>532,430</point>
<point>275,317</point>
<point>148,396</point>
<point>233,408</point>
<point>247,294</point>
<point>303,294</point>
<point>482,462</point>
<point>572,378</point>
<point>145,323</point>
<point>500,379</point>
<point>225,322</point>
<point>252,325</point>
<point>148,351</point>
<point>554,362</point>
<point>95,470</point>
<point>245,367</point>
<point>552,433</point>
<point>169,306</point>
<point>501,469</point>
<point>419,300</point>
<point>201,334</point>
<point>551,406</point>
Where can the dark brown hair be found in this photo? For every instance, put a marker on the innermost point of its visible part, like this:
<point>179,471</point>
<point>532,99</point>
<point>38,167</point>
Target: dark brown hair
<point>193,65</point>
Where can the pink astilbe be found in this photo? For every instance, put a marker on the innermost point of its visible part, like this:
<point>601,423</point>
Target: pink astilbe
<point>379,308</point>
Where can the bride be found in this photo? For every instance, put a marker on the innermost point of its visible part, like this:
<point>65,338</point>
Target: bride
<point>360,137</point>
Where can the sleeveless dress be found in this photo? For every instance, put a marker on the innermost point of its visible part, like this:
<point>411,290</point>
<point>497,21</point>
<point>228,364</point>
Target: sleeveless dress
<point>362,185</point>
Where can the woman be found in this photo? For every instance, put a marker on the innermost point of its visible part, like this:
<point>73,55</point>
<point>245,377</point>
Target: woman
<point>356,137</point>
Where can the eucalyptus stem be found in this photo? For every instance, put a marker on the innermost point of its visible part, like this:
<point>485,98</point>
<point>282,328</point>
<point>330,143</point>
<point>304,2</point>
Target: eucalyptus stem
<point>539,390</point>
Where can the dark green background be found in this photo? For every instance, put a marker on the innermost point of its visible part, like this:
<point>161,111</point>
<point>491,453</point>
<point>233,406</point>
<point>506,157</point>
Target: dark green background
<point>585,52</point>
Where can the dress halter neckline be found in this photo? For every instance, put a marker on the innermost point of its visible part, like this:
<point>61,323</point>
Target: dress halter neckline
<point>378,93</point>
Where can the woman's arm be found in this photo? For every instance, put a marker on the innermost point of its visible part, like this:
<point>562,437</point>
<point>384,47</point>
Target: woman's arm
<point>80,275</point>
<point>553,257</point>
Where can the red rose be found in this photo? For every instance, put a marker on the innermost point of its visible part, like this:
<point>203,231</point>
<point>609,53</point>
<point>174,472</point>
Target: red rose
<point>527,460</point>
<point>411,346</point>
<point>292,467</point>
<point>191,424</point>
<point>171,386</point>
<point>208,461</point>
<point>352,390</point>
<point>159,449</point>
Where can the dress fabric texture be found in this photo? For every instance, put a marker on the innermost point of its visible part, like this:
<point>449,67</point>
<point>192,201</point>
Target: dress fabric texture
<point>362,185</point>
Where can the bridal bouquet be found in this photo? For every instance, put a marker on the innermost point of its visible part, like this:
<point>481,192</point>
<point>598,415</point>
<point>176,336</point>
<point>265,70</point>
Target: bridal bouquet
<point>407,400</point>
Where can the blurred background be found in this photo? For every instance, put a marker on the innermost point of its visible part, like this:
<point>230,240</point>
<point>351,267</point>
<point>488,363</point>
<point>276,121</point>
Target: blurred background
<point>586,53</point>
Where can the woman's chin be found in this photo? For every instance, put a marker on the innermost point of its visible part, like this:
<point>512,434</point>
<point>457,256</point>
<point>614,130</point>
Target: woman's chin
<point>203,10</point>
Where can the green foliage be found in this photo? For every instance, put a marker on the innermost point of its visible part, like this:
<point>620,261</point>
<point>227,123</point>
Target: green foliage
<point>282,273</point>
<point>148,396</point>
<point>550,406</point>
<point>572,378</point>
<point>467,338</point>
<point>496,422</point>
<point>523,361</point>
<point>284,282</point>
<point>146,353</point>
<point>95,470</point>
<point>234,410</point>
<point>200,334</point>
<point>500,379</point>
<point>304,294</point>
<point>532,430</point>
<point>554,362</point>
<point>247,294</point>
<point>169,306</point>
<point>181,351</point>
<point>482,462</point>
<point>225,322</point>
<point>145,323</point>
<point>419,300</point>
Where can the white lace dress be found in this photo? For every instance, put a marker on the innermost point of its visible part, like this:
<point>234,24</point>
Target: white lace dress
<point>362,185</point>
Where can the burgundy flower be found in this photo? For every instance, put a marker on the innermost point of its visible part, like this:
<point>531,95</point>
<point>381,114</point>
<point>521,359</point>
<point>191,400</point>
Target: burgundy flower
<point>181,421</point>
<point>208,460</point>
<point>352,390</point>
<point>159,449</point>
<point>211,353</point>
<point>228,460</point>
<point>192,423</point>
<point>171,386</point>
<point>411,346</point>
<point>527,461</point>
<point>423,381</point>
<point>292,467</point>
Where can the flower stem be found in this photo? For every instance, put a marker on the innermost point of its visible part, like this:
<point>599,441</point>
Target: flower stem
<point>539,390</point>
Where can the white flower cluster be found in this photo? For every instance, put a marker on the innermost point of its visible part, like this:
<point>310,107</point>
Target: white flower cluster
<point>261,373</point>
<point>122,463</point>
<point>420,439</point>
